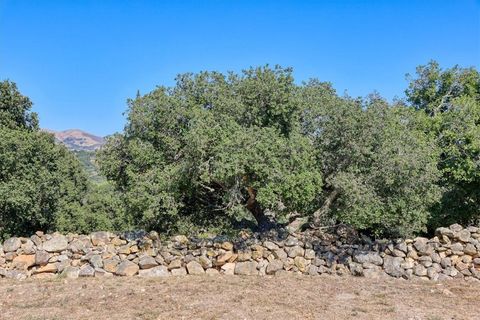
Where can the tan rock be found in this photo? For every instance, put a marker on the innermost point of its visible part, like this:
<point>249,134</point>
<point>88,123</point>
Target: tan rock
<point>175,264</point>
<point>179,272</point>
<point>221,260</point>
<point>195,268</point>
<point>51,267</point>
<point>24,261</point>
<point>228,269</point>
<point>212,272</point>
<point>227,246</point>
<point>100,238</point>
<point>301,263</point>
<point>155,272</point>
<point>127,268</point>
<point>205,262</point>
<point>110,265</point>
<point>244,256</point>
<point>246,268</point>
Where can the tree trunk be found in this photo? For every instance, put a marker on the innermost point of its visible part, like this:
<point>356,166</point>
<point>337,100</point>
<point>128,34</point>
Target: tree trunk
<point>317,215</point>
<point>254,207</point>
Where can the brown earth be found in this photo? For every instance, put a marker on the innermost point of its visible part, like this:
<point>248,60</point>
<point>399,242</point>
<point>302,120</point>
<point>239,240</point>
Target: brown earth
<point>235,297</point>
<point>76,139</point>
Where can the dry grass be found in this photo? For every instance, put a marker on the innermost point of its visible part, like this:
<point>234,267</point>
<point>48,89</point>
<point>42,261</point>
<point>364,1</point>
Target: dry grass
<point>286,297</point>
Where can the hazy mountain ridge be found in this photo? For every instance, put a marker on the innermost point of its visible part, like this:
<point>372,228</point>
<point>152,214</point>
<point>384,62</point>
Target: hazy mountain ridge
<point>78,140</point>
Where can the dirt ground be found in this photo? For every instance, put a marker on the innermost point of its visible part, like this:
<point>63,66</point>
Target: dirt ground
<point>235,297</point>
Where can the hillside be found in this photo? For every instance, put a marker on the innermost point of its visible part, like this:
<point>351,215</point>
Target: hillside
<point>78,140</point>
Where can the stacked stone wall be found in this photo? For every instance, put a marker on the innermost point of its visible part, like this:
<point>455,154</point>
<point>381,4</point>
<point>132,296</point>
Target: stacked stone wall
<point>454,253</point>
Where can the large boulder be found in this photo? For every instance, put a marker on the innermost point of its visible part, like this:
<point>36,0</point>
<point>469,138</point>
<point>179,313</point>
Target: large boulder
<point>367,257</point>
<point>274,266</point>
<point>155,272</point>
<point>86,271</point>
<point>70,272</point>
<point>127,268</point>
<point>248,268</point>
<point>42,257</point>
<point>393,266</point>
<point>195,268</point>
<point>147,262</point>
<point>24,261</point>
<point>57,243</point>
<point>12,244</point>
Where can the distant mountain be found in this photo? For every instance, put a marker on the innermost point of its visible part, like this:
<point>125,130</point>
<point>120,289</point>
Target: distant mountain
<point>78,140</point>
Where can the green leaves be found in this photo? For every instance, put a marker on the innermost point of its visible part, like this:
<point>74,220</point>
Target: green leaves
<point>37,178</point>
<point>451,99</point>
<point>220,147</point>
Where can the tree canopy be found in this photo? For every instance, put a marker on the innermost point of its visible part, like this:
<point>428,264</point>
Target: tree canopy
<point>216,147</point>
<point>255,149</point>
<point>451,99</point>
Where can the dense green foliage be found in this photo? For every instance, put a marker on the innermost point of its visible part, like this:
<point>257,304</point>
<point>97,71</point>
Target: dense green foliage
<point>42,184</point>
<point>219,151</point>
<point>451,99</point>
<point>87,159</point>
<point>217,148</point>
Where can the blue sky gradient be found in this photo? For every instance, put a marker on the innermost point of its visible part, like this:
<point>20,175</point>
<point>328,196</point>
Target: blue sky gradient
<point>80,60</point>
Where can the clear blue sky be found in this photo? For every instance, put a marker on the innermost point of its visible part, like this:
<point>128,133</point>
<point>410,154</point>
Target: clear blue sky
<point>80,60</point>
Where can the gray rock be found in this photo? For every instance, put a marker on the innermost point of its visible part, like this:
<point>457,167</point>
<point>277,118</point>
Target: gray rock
<point>195,268</point>
<point>425,260</point>
<point>309,254</point>
<point>470,249</point>
<point>356,269</point>
<point>70,272</point>
<point>57,243</point>
<point>42,258</point>
<point>12,244</point>
<point>463,235</point>
<point>248,268</point>
<point>392,266</point>
<point>457,248</point>
<point>296,251</point>
<point>155,272</point>
<point>432,274</point>
<point>274,266</point>
<point>422,246</point>
<point>86,271</point>
<point>280,254</point>
<point>420,270</point>
<point>436,258</point>
<point>367,257</point>
<point>291,241</point>
<point>312,270</point>
<point>444,232</point>
<point>16,274</point>
<point>319,262</point>
<point>402,246</point>
<point>96,261</point>
<point>77,246</point>
<point>456,227</point>
<point>270,245</point>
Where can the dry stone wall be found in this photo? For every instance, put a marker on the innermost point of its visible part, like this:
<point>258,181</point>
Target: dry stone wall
<point>453,253</point>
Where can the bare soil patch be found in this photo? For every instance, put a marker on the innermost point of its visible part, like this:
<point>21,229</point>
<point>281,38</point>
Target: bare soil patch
<point>235,297</point>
